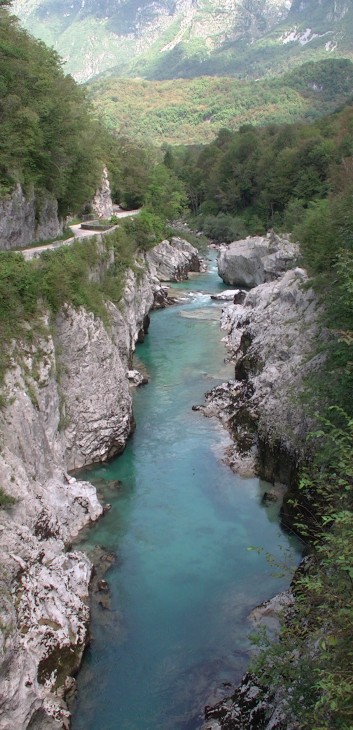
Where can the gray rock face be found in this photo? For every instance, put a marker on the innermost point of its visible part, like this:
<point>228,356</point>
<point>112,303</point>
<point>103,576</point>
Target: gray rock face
<point>272,339</point>
<point>102,203</point>
<point>171,261</point>
<point>67,404</point>
<point>21,224</point>
<point>254,261</point>
<point>98,410</point>
<point>44,590</point>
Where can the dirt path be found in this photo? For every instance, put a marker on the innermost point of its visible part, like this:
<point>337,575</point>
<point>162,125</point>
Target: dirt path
<point>78,232</point>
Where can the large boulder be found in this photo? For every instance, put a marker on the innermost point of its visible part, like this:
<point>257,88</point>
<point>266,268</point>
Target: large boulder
<point>172,261</point>
<point>256,260</point>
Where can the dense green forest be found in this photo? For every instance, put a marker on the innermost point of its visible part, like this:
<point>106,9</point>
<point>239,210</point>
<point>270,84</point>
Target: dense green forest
<point>48,137</point>
<point>186,112</point>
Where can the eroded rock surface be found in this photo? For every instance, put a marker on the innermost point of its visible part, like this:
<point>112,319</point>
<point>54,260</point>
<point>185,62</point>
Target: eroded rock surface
<point>254,261</point>
<point>23,219</point>
<point>102,204</point>
<point>271,338</point>
<point>171,261</point>
<point>44,590</point>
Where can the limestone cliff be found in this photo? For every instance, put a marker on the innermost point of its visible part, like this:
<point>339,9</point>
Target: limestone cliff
<point>102,204</point>
<point>271,338</point>
<point>66,403</point>
<point>23,219</point>
<point>255,260</point>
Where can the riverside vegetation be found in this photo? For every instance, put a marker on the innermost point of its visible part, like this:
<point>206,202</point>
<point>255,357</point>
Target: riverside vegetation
<point>292,177</point>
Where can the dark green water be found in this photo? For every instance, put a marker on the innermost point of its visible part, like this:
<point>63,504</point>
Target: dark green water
<point>181,524</point>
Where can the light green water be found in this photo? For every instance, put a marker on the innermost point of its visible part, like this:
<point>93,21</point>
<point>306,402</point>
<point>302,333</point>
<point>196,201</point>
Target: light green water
<point>181,523</point>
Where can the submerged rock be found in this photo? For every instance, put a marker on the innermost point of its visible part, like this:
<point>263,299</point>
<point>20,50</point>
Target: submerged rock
<point>252,706</point>
<point>236,296</point>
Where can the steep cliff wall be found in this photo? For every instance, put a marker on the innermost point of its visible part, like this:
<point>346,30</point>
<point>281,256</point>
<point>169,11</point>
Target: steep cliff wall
<point>66,403</point>
<point>272,340</point>
<point>24,219</point>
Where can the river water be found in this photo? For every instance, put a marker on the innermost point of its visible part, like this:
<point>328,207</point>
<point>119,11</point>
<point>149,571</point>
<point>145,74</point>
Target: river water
<point>180,525</point>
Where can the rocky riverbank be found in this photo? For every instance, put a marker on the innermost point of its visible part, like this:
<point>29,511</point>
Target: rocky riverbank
<point>272,340</point>
<point>66,403</point>
<point>271,337</point>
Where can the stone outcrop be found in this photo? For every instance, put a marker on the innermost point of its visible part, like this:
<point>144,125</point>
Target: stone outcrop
<point>44,590</point>
<point>23,219</point>
<point>251,707</point>
<point>171,261</point>
<point>256,260</point>
<point>271,338</point>
<point>98,420</point>
<point>66,403</point>
<point>102,204</point>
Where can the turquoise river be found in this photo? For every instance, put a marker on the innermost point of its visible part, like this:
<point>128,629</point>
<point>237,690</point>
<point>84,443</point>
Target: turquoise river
<point>180,526</point>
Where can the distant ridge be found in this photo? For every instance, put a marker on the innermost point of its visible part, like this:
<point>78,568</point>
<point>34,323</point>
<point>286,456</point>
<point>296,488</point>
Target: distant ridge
<point>160,39</point>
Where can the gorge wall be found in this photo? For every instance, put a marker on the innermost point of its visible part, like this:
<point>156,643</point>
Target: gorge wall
<point>65,403</point>
<point>24,219</point>
<point>271,337</point>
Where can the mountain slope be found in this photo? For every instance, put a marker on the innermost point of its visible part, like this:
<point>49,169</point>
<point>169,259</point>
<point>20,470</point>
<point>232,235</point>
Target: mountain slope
<point>96,36</point>
<point>160,39</point>
<point>311,30</point>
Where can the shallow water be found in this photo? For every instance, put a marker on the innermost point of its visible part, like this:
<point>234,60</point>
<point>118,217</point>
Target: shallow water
<point>181,524</point>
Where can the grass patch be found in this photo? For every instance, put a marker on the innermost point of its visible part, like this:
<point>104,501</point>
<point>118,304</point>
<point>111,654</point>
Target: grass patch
<point>66,234</point>
<point>6,500</point>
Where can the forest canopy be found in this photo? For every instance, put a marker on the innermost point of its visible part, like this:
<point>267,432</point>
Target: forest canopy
<point>49,139</point>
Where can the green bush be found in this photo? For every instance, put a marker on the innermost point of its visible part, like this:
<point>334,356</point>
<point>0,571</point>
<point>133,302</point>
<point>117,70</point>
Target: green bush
<point>223,228</point>
<point>5,499</point>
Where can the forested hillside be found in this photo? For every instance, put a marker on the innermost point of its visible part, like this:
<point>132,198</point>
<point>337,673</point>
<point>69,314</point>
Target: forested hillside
<point>192,111</point>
